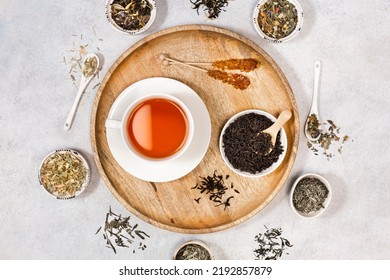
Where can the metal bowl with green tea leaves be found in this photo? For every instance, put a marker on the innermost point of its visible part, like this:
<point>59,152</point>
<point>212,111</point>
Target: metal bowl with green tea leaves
<point>64,173</point>
<point>310,195</point>
<point>278,21</point>
<point>131,16</point>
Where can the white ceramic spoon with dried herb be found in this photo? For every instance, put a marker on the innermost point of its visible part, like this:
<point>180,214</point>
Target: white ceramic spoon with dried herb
<point>90,67</point>
<point>313,125</point>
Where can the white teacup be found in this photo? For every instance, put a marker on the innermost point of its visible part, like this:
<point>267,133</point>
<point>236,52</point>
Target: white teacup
<point>122,125</point>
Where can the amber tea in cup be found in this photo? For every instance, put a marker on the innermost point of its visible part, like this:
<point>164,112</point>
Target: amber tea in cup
<point>157,128</point>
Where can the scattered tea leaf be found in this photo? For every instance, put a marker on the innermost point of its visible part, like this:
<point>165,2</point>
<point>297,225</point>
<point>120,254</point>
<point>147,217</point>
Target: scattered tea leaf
<point>212,7</point>
<point>120,230</point>
<point>329,140</point>
<point>271,244</point>
<point>76,55</point>
<point>215,188</point>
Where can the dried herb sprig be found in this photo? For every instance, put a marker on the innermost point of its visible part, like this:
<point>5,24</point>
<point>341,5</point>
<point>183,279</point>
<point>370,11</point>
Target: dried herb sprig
<point>215,187</point>
<point>212,7</point>
<point>131,14</point>
<point>123,234</point>
<point>271,244</point>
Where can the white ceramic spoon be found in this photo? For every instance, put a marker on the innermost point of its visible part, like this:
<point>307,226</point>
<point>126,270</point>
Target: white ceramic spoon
<point>314,102</point>
<point>83,85</point>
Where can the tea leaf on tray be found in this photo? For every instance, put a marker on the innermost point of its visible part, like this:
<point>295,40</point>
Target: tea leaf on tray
<point>215,188</point>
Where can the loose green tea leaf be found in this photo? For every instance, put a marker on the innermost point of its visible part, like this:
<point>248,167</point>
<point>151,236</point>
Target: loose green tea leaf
<point>212,7</point>
<point>119,229</point>
<point>309,195</point>
<point>193,252</point>
<point>277,18</point>
<point>131,14</point>
<point>271,244</point>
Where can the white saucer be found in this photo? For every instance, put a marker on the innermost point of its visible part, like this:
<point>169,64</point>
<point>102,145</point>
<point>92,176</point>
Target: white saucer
<point>174,169</point>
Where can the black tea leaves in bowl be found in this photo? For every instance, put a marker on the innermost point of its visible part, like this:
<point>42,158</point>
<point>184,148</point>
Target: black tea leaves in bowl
<point>246,148</point>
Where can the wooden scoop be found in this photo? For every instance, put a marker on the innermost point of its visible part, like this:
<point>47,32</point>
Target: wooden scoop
<point>274,129</point>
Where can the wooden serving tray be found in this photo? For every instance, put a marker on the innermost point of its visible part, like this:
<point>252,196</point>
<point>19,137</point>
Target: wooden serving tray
<point>172,205</point>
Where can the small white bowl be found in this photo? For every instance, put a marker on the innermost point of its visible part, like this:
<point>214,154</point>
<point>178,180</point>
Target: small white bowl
<point>275,165</point>
<point>326,202</point>
<point>87,176</point>
<point>281,40</point>
<point>126,31</point>
<point>195,242</point>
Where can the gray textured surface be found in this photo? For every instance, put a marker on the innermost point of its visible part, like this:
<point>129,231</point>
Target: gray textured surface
<point>350,37</point>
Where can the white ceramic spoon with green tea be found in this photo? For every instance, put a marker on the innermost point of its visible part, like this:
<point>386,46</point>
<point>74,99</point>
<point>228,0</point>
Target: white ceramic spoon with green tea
<point>312,124</point>
<point>274,129</point>
<point>91,65</point>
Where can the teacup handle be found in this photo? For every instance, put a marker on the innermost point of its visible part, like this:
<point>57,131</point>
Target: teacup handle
<point>113,124</point>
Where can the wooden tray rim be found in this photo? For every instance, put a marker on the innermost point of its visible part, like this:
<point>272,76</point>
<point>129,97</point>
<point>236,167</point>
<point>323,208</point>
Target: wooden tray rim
<point>180,28</point>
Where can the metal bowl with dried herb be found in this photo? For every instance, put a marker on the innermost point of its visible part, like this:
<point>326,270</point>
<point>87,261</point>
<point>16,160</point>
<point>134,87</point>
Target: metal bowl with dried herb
<point>310,195</point>
<point>193,250</point>
<point>131,16</point>
<point>64,173</point>
<point>278,21</point>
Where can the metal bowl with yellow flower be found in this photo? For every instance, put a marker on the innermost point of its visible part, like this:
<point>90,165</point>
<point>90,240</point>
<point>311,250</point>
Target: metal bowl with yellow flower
<point>64,173</point>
